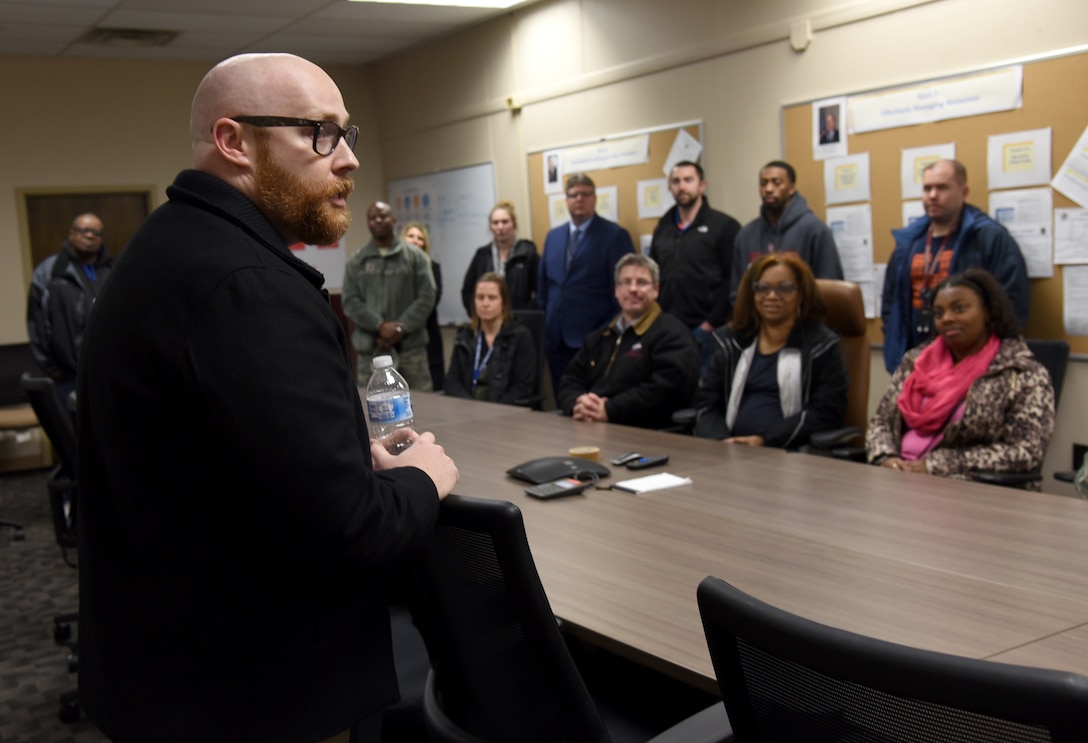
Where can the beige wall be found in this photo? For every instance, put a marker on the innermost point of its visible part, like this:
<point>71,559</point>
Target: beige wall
<point>557,72</point>
<point>81,123</point>
<point>579,69</point>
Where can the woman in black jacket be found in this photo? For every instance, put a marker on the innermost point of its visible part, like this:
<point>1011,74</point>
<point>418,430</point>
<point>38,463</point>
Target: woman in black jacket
<point>493,356</point>
<point>779,375</point>
<point>513,259</point>
<point>416,234</point>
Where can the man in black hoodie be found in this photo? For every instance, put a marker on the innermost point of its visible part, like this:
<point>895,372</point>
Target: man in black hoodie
<point>785,224</point>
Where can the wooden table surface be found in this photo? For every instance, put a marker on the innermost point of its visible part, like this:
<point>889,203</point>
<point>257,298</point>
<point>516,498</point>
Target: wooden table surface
<point>963,568</point>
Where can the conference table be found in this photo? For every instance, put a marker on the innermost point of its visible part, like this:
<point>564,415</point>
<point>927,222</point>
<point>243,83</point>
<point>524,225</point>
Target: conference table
<point>958,567</point>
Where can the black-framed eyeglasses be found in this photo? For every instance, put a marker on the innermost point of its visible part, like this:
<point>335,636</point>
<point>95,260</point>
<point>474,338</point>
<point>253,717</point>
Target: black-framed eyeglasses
<point>782,289</point>
<point>327,134</point>
<point>88,231</point>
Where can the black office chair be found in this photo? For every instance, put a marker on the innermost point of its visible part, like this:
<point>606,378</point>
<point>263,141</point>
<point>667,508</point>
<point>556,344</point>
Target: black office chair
<point>500,669</point>
<point>16,415</point>
<point>1054,356</point>
<point>58,424</point>
<point>787,678</point>
<point>533,320</point>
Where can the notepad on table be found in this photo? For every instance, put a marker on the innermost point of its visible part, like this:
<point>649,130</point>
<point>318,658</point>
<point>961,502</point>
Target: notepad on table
<point>660,481</point>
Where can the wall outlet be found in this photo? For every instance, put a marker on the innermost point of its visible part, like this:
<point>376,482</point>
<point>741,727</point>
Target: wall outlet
<point>1078,455</point>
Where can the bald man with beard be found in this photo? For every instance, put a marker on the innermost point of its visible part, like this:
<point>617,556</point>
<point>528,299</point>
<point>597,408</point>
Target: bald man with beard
<point>236,522</point>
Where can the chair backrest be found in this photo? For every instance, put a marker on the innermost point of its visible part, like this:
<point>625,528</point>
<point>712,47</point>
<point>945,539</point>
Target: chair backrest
<point>58,424</point>
<point>499,662</point>
<point>15,360</point>
<point>846,316</point>
<point>1054,355</point>
<point>533,320</point>
<point>783,677</point>
<point>54,418</point>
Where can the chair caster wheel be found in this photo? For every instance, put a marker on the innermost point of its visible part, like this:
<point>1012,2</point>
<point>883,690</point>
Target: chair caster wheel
<point>62,633</point>
<point>19,535</point>
<point>69,712</point>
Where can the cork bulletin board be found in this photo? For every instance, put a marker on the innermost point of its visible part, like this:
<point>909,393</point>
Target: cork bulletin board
<point>1053,96</point>
<point>625,178</point>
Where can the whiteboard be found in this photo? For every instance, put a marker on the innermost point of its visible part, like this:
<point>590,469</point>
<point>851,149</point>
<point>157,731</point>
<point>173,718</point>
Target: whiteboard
<point>454,205</point>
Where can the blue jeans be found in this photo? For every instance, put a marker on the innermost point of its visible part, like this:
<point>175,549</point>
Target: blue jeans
<point>707,348</point>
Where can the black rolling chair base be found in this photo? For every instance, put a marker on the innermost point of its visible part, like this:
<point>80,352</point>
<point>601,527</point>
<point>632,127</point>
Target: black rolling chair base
<point>20,533</point>
<point>69,707</point>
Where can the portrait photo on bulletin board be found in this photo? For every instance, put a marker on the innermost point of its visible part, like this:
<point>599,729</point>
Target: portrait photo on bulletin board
<point>553,171</point>
<point>828,132</point>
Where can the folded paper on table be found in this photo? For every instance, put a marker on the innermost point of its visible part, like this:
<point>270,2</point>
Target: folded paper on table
<point>659,481</point>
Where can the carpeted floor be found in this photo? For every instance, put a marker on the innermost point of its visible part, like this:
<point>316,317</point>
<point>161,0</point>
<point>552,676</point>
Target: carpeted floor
<point>35,585</point>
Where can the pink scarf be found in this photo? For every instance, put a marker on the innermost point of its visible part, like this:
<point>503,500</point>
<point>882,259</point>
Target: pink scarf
<point>938,384</point>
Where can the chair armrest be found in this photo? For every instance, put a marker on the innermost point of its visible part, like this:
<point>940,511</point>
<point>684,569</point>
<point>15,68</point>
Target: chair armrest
<point>1009,479</point>
<point>1066,476</point>
<point>850,453</point>
<point>532,401</point>
<point>685,417</point>
<point>836,437</point>
<point>709,726</point>
<point>439,725</point>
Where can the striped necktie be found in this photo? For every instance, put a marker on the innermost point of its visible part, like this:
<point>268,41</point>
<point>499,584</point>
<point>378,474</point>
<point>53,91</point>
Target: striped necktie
<point>572,243</point>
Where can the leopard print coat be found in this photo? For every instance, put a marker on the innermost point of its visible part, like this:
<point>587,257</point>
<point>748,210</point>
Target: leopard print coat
<point>1007,422</point>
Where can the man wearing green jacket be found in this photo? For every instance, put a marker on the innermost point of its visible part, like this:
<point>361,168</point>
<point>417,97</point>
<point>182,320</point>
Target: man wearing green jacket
<point>388,293</point>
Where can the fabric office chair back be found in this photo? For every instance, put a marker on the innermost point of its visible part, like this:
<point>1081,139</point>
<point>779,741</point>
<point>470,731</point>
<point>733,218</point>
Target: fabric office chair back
<point>500,669</point>
<point>15,360</point>
<point>533,320</point>
<point>15,413</point>
<point>783,677</point>
<point>846,316</point>
<point>1054,355</point>
<point>55,419</point>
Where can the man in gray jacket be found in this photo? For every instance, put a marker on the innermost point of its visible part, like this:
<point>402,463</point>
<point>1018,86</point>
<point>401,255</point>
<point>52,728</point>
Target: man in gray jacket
<point>785,224</point>
<point>389,291</point>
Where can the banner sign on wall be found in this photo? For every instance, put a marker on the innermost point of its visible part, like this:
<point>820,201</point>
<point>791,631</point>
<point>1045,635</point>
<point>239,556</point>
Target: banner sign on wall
<point>969,95</point>
<point>612,153</point>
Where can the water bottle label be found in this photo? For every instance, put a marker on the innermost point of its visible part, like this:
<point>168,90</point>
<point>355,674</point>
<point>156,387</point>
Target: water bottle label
<point>390,410</point>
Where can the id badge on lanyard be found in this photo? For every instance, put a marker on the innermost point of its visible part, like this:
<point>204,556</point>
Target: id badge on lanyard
<point>477,365</point>
<point>924,326</point>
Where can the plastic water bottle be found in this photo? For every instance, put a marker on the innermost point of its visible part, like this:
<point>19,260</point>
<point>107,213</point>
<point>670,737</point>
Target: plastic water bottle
<point>389,406</point>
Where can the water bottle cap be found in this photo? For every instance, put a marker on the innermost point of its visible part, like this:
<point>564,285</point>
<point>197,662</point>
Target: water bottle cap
<point>383,362</point>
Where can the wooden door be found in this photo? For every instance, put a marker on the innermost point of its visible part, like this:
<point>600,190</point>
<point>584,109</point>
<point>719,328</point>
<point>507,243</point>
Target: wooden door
<point>49,215</point>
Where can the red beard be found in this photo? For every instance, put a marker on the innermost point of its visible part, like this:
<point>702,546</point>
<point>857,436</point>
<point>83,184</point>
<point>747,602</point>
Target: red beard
<point>303,209</point>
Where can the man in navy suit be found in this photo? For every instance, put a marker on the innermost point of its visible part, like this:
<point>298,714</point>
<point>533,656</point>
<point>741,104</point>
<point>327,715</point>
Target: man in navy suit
<point>576,286</point>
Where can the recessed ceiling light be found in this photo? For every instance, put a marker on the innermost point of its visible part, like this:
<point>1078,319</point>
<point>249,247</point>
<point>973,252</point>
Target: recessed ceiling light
<point>448,3</point>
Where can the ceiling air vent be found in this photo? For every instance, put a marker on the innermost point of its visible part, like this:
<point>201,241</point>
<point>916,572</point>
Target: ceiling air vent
<point>128,37</point>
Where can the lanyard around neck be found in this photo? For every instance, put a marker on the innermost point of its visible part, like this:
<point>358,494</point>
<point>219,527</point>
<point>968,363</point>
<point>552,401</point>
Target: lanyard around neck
<point>929,265</point>
<point>477,365</point>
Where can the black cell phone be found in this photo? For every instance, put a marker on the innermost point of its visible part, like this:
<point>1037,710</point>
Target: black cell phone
<point>652,461</point>
<point>623,459</point>
<point>564,486</point>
